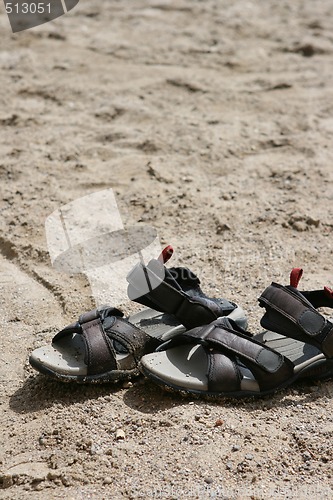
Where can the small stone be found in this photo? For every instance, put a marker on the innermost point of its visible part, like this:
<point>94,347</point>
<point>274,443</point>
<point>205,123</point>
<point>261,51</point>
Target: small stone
<point>93,449</point>
<point>37,486</point>
<point>229,465</point>
<point>226,196</point>
<point>165,423</point>
<point>52,475</point>
<point>208,480</point>
<point>307,50</point>
<point>218,423</point>
<point>312,222</point>
<point>297,225</point>
<point>120,434</point>
<point>248,456</point>
<point>107,480</point>
<point>65,480</point>
<point>6,481</point>
<point>127,384</point>
<point>235,447</point>
<point>71,460</point>
<point>221,228</point>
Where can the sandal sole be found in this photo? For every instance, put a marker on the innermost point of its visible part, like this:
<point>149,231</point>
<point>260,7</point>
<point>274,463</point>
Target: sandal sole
<point>114,376</point>
<point>322,369</point>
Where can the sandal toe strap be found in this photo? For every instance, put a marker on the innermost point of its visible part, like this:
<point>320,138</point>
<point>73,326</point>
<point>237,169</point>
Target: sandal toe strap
<point>105,335</point>
<point>228,346</point>
<point>100,354</point>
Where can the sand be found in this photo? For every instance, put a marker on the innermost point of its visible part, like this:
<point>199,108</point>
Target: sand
<point>212,122</point>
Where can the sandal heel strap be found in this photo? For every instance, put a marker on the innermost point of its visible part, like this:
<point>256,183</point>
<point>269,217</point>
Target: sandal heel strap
<point>319,298</point>
<point>89,316</point>
<point>288,312</point>
<point>99,312</point>
<point>154,286</point>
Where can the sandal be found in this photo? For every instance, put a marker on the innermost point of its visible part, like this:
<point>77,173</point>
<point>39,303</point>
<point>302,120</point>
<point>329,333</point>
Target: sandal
<point>222,359</point>
<point>103,346</point>
<point>298,350</point>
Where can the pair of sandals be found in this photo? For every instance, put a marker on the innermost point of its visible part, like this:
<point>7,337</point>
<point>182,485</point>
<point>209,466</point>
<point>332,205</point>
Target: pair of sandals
<point>188,342</point>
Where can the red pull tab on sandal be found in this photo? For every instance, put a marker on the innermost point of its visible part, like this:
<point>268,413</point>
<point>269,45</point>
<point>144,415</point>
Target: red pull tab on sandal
<point>295,276</point>
<point>166,254</point>
<point>329,292</point>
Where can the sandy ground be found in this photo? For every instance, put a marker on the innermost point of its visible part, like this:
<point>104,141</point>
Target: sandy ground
<point>213,122</point>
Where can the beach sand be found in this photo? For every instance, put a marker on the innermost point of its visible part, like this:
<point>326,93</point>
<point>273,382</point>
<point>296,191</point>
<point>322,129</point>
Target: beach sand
<point>212,121</point>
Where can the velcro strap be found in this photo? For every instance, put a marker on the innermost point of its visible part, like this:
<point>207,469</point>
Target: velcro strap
<point>101,338</point>
<point>100,355</point>
<point>299,319</point>
<point>269,367</point>
<point>219,336</point>
<point>294,307</point>
<point>148,281</point>
<point>246,348</point>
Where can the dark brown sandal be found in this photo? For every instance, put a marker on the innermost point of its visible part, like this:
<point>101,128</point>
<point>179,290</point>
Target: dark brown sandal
<point>103,346</point>
<point>222,359</point>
